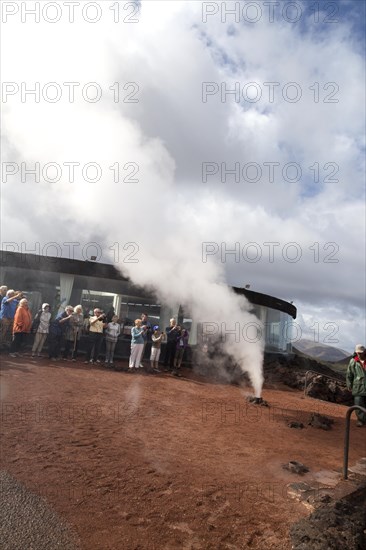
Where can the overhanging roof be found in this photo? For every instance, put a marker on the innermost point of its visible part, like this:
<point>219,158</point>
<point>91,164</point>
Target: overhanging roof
<point>36,262</point>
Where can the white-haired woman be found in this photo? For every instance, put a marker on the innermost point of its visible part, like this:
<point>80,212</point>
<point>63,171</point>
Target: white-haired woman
<point>137,344</point>
<point>78,323</point>
<point>40,326</point>
<point>73,333</point>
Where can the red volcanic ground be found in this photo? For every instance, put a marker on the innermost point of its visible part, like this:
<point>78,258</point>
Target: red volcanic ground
<point>131,461</point>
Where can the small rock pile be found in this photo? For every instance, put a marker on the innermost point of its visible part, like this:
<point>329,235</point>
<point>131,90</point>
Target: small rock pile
<point>321,421</point>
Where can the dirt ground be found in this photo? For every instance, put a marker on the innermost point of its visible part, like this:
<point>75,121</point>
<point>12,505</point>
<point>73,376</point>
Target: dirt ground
<point>155,462</point>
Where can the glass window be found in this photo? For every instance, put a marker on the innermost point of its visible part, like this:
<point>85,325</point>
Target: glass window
<point>91,299</point>
<point>133,306</point>
<point>278,334</point>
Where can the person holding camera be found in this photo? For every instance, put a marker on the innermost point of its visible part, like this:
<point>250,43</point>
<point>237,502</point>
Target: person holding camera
<point>57,330</point>
<point>77,322</point>
<point>113,331</point>
<point>157,338</point>
<point>182,344</point>
<point>40,328</point>
<point>172,333</point>
<point>73,333</point>
<point>9,305</point>
<point>97,324</point>
<point>144,323</point>
<point>137,345</point>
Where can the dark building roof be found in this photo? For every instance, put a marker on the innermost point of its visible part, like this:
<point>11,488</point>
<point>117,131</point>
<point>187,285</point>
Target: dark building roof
<point>60,265</point>
<point>268,301</point>
<point>107,271</point>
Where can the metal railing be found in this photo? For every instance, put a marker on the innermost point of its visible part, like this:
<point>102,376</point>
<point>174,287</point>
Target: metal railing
<point>320,374</point>
<point>346,438</point>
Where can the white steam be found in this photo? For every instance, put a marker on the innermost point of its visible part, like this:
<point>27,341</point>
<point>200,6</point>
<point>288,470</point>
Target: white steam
<point>168,222</point>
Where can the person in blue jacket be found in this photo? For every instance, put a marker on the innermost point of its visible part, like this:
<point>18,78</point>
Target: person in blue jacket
<point>137,344</point>
<point>9,305</point>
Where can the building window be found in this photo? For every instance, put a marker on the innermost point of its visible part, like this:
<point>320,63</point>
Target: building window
<point>91,299</point>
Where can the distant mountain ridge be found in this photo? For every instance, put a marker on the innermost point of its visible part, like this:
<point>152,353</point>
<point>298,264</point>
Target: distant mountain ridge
<point>321,351</point>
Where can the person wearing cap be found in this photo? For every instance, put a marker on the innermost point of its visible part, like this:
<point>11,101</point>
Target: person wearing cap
<point>356,381</point>
<point>156,337</point>
<point>40,327</point>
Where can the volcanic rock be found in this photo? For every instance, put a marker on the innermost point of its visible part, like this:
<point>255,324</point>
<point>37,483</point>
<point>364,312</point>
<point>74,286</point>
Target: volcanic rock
<point>295,467</point>
<point>337,526</point>
<point>326,389</point>
<point>258,401</point>
<point>320,421</point>
<point>291,371</point>
<point>297,425</point>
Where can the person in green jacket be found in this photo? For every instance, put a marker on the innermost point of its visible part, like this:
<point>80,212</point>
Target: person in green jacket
<point>356,381</point>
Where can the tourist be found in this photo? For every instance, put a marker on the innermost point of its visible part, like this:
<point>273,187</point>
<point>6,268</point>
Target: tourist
<point>172,334</point>
<point>21,327</point>
<point>7,312</point>
<point>58,327</point>
<point>77,322</point>
<point>96,326</point>
<point>113,331</point>
<point>182,344</point>
<point>145,323</point>
<point>137,345</point>
<point>157,338</point>
<point>40,327</point>
<point>3,291</point>
<point>356,381</point>
<point>69,335</point>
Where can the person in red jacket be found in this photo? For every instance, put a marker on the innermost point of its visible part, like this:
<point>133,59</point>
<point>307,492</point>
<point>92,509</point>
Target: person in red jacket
<point>21,327</point>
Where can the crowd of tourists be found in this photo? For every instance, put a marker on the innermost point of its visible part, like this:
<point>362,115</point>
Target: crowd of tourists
<point>64,332</point>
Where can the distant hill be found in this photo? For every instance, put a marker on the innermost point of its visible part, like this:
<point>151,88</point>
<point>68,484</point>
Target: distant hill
<point>321,351</point>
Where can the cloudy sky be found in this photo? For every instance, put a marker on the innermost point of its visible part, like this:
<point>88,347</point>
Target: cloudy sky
<point>225,139</point>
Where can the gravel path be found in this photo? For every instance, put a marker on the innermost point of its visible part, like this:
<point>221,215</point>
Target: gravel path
<point>27,522</point>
